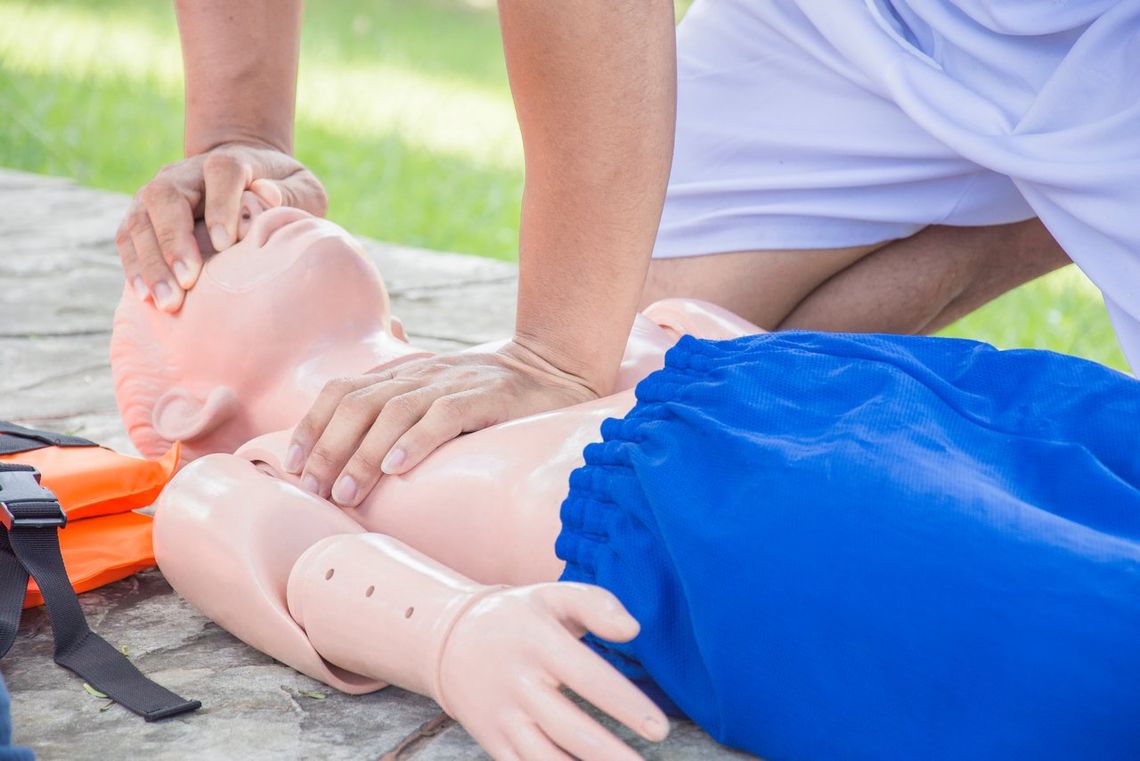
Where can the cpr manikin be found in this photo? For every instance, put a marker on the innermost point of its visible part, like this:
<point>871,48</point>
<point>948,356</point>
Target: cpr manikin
<point>441,580</point>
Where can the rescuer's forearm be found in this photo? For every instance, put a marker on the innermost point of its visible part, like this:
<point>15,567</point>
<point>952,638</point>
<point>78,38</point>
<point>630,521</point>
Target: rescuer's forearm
<point>594,83</point>
<point>241,71</point>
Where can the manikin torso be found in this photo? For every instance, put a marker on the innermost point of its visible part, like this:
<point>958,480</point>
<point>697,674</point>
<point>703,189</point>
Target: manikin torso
<point>294,305</point>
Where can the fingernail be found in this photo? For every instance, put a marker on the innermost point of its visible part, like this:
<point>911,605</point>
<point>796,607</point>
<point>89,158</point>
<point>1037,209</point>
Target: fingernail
<point>309,484</point>
<point>219,238</point>
<point>394,460</point>
<point>164,295</point>
<point>293,459</point>
<point>652,729</point>
<point>182,274</point>
<point>140,288</point>
<point>344,491</point>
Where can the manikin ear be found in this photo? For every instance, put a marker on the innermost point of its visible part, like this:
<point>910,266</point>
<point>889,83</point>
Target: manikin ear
<point>398,329</point>
<point>182,415</point>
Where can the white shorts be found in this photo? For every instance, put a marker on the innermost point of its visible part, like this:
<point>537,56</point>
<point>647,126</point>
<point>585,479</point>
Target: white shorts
<point>817,124</point>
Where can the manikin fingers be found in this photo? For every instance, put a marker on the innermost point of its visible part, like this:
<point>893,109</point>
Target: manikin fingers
<point>530,742</point>
<point>584,607</point>
<point>493,739</point>
<point>599,683</point>
<point>504,751</point>
<point>572,730</point>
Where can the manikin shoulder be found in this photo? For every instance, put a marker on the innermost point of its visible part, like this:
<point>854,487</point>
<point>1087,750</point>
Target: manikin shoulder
<point>702,319</point>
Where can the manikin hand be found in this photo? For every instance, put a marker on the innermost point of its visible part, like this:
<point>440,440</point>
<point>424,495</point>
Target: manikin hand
<point>160,256</point>
<point>387,423</point>
<point>508,656</point>
<point>494,658</point>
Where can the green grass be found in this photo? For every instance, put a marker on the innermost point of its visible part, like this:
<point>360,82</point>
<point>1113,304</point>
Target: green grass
<point>1062,311</point>
<point>403,112</point>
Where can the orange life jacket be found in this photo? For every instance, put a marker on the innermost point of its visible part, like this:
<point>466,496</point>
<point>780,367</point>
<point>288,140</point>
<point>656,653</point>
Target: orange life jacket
<point>99,489</point>
<point>67,522</point>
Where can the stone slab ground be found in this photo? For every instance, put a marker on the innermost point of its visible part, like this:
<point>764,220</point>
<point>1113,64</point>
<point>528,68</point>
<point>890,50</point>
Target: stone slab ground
<point>59,282</point>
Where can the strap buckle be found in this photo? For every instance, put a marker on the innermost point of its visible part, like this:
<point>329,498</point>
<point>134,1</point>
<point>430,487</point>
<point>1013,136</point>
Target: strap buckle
<point>26,504</point>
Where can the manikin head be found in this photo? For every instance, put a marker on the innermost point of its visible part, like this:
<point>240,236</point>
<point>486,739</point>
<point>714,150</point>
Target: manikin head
<point>293,304</point>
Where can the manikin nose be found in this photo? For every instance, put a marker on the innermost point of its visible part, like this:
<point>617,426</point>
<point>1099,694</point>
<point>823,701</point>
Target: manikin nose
<point>258,256</point>
<point>261,222</point>
<point>251,208</point>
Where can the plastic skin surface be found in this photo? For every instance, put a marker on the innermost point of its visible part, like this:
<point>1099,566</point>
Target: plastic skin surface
<point>464,541</point>
<point>492,657</point>
<point>291,306</point>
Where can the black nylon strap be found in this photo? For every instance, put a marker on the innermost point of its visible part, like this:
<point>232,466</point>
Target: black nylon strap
<point>12,443</point>
<point>30,544</point>
<point>18,439</point>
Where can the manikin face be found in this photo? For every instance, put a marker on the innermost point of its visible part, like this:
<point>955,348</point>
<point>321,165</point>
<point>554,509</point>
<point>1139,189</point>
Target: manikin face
<point>293,283</point>
<point>272,312</point>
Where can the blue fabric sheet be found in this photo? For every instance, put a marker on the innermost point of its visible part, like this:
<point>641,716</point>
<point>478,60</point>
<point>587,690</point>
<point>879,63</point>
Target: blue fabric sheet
<point>875,547</point>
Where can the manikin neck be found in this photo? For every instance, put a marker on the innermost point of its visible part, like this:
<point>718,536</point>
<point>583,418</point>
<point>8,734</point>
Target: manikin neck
<point>291,393</point>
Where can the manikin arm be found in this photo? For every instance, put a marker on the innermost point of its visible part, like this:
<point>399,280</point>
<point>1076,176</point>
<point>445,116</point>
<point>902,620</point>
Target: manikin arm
<point>228,538</point>
<point>492,657</point>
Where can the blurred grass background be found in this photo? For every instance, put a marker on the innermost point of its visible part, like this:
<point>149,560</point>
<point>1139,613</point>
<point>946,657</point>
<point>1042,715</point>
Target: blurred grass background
<point>403,112</point>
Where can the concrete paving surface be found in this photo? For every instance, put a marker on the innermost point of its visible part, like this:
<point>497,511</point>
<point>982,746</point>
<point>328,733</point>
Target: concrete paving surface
<point>59,282</point>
